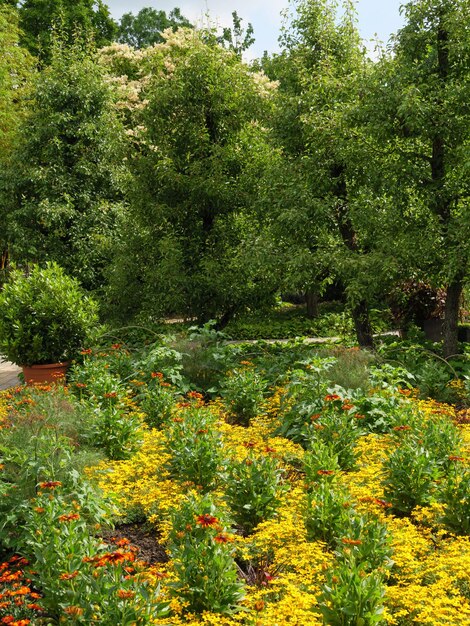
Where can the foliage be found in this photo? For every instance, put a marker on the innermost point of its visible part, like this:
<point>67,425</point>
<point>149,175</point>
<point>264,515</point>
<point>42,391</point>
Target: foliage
<point>193,220</point>
<point>253,489</point>
<point>237,38</point>
<point>66,174</point>
<point>201,547</point>
<point>195,447</point>
<point>86,18</point>
<point>243,393</point>
<point>44,316</point>
<point>146,28</point>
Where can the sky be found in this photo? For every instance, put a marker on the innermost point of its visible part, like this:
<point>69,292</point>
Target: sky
<point>376,17</point>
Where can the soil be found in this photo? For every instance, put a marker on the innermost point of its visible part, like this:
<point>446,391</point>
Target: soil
<point>142,537</point>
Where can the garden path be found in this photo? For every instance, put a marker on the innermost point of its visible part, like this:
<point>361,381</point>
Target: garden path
<point>8,375</point>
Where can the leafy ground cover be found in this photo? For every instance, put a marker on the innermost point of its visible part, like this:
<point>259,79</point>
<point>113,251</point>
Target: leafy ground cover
<point>205,483</point>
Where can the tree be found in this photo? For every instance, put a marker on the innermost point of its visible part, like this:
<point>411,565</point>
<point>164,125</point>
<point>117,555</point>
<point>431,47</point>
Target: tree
<point>237,38</point>
<point>192,238</point>
<point>323,71</point>
<point>15,73</point>
<point>66,174</point>
<point>423,124</point>
<point>71,18</point>
<point>146,28</point>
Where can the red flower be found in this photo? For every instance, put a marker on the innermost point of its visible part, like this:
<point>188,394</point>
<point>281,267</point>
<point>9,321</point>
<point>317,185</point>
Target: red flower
<point>456,458</point>
<point>325,472</point>
<point>68,517</point>
<point>221,538</point>
<point>50,484</point>
<point>206,520</point>
<point>86,351</point>
<point>156,375</point>
<point>67,576</point>
<point>332,397</point>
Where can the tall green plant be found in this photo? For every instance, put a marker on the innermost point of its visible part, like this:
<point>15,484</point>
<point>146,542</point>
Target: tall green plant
<point>67,171</point>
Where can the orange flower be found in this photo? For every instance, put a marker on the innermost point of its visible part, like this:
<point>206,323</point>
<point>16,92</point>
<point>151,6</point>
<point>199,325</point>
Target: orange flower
<point>359,416</point>
<point>402,427</point>
<point>195,395</point>
<point>206,520</point>
<point>116,346</point>
<point>315,416</point>
<point>80,385</point>
<point>21,591</point>
<point>69,517</point>
<point>351,542</point>
<point>156,375</point>
<point>86,351</point>
<point>34,607</point>
<point>67,576</point>
<point>110,394</point>
<point>50,484</point>
<point>456,458</point>
<point>347,406</point>
<point>259,605</point>
<point>125,595</point>
<point>332,397</point>
<point>325,472</point>
<point>39,509</point>
<point>222,538</point>
<point>74,610</point>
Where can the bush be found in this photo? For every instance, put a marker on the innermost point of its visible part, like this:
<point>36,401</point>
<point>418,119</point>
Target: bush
<point>44,316</point>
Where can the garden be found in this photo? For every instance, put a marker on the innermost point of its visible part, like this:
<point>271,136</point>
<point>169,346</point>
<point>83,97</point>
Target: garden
<point>201,481</point>
<point>238,292</point>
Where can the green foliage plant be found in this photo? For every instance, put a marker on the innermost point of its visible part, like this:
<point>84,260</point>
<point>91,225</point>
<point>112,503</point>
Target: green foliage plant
<point>351,597</point>
<point>306,390</point>
<point>71,565</point>
<point>195,446</point>
<point>200,546</point>
<point>327,510</point>
<point>253,487</point>
<point>243,393</point>
<point>454,492</point>
<point>45,317</point>
<point>410,477</point>
<point>67,172</point>
<point>337,426</point>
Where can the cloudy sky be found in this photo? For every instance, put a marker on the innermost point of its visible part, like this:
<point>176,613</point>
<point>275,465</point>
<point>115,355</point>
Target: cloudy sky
<point>376,17</point>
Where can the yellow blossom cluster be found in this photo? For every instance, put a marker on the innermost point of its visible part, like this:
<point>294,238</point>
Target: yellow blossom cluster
<point>428,584</point>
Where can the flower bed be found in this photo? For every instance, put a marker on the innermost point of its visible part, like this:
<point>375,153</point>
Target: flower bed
<point>322,506</point>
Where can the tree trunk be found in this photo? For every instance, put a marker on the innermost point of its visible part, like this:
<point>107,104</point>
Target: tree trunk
<point>360,315</point>
<point>451,317</point>
<point>311,299</point>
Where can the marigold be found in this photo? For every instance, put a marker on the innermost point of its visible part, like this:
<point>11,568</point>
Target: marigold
<point>50,484</point>
<point>74,610</point>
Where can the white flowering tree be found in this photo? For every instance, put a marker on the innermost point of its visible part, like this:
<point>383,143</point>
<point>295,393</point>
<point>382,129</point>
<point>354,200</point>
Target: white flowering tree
<point>192,241</point>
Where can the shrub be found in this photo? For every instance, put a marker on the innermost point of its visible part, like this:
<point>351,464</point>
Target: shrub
<point>44,316</point>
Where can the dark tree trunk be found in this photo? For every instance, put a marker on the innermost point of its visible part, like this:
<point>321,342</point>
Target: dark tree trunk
<point>451,317</point>
<point>360,312</point>
<point>226,317</point>
<point>311,299</point>
<point>360,315</point>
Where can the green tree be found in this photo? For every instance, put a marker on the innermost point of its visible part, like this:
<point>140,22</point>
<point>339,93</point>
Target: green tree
<point>422,122</point>
<point>39,19</point>
<point>237,38</point>
<point>146,28</point>
<point>66,175</point>
<point>192,235</point>
<point>321,213</point>
<point>15,74</point>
